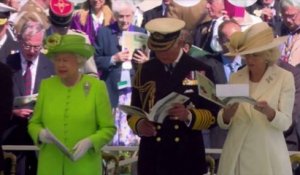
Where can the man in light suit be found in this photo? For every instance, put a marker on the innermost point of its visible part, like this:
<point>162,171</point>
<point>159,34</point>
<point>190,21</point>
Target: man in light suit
<point>290,60</point>
<point>290,10</point>
<point>29,58</point>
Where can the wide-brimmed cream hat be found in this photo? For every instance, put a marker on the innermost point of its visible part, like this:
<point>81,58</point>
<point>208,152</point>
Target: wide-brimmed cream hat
<point>163,32</point>
<point>257,38</point>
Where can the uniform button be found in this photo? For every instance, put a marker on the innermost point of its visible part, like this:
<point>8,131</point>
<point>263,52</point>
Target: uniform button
<point>158,127</point>
<point>176,127</point>
<point>158,139</point>
<point>177,139</point>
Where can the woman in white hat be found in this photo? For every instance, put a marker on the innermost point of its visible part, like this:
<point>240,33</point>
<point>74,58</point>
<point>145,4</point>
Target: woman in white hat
<point>255,143</point>
<point>72,107</point>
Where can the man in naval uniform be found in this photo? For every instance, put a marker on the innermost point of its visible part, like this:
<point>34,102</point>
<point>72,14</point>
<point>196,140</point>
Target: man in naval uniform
<point>174,147</point>
<point>8,44</point>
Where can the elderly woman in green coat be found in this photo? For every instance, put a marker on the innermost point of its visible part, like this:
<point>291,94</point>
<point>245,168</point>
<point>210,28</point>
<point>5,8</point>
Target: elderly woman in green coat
<point>73,108</point>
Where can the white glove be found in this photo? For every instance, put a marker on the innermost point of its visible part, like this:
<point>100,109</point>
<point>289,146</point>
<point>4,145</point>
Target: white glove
<point>81,148</point>
<point>44,136</point>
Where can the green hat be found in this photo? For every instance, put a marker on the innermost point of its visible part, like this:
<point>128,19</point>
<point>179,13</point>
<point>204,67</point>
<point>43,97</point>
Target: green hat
<point>69,43</point>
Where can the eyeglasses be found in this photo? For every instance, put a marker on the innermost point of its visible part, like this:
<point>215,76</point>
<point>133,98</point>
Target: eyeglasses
<point>29,47</point>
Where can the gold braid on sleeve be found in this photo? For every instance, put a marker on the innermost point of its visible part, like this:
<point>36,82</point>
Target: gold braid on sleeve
<point>146,91</point>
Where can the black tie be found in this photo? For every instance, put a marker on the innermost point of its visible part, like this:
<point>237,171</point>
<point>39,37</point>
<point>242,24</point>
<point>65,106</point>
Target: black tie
<point>165,14</point>
<point>170,68</point>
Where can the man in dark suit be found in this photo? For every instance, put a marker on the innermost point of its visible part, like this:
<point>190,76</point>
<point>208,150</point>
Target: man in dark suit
<point>175,146</point>
<point>29,68</point>
<point>156,12</point>
<point>204,35</point>
<point>6,103</point>
<point>223,66</point>
<point>111,54</point>
<point>268,11</point>
<point>8,44</point>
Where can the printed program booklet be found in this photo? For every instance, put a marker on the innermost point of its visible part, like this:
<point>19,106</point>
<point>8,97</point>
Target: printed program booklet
<point>159,111</point>
<point>207,89</point>
<point>61,146</point>
<point>24,100</point>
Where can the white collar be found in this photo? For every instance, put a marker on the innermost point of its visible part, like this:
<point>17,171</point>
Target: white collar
<point>24,61</point>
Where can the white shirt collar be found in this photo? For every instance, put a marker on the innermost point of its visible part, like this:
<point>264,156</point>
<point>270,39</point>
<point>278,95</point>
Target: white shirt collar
<point>178,58</point>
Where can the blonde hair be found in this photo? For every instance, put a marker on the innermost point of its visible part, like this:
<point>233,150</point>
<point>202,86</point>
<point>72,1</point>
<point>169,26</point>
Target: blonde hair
<point>271,55</point>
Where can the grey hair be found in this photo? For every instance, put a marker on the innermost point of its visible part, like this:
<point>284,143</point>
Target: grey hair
<point>119,5</point>
<point>289,3</point>
<point>31,28</point>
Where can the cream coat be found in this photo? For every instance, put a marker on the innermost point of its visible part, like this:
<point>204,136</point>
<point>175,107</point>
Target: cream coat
<point>255,146</point>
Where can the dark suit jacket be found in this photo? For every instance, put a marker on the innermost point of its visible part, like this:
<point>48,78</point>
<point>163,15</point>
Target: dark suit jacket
<point>107,44</point>
<point>276,22</point>
<point>10,46</point>
<point>44,70</point>
<point>203,35</point>
<point>6,102</point>
<point>156,12</point>
<point>291,134</point>
<point>186,156</point>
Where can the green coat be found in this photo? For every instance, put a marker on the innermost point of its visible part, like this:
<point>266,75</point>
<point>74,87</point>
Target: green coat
<point>71,114</point>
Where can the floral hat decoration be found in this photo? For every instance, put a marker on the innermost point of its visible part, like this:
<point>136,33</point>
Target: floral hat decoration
<point>69,43</point>
<point>259,37</point>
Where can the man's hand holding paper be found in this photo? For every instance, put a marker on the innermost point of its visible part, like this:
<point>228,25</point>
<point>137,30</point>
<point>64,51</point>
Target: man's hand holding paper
<point>146,128</point>
<point>179,112</point>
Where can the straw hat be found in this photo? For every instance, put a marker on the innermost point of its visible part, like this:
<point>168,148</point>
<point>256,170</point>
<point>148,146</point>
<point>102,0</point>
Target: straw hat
<point>69,43</point>
<point>163,32</point>
<point>257,38</point>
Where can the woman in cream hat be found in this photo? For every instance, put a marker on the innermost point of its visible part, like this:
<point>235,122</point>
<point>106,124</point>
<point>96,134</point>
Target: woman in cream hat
<point>72,107</point>
<point>255,143</point>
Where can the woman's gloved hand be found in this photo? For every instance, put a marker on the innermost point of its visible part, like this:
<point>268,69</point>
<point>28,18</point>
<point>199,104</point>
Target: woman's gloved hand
<point>45,137</point>
<point>81,148</point>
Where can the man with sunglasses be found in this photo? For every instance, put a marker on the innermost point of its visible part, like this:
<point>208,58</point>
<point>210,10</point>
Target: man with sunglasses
<point>29,66</point>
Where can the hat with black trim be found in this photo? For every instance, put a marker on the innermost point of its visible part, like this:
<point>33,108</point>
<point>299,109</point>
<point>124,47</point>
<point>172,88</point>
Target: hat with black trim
<point>163,33</point>
<point>60,12</point>
<point>5,13</point>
